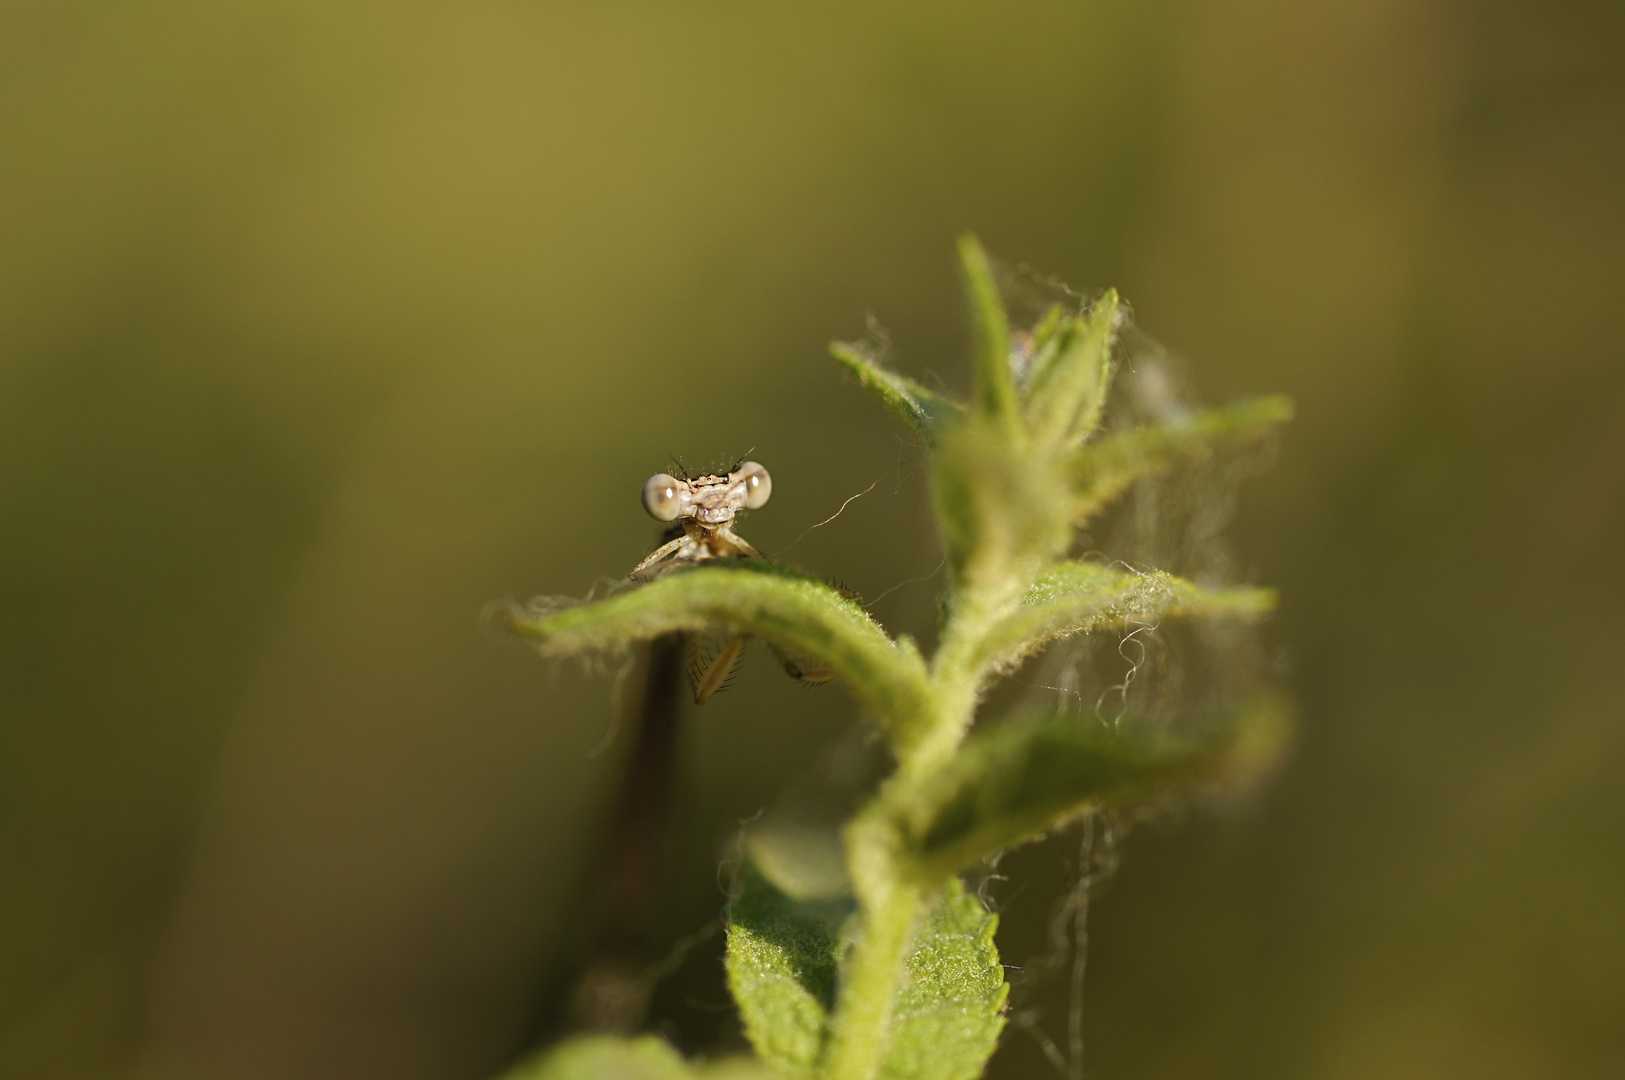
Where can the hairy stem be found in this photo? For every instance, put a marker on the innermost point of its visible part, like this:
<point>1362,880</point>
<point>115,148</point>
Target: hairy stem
<point>889,907</point>
<point>957,671</point>
<point>870,981</point>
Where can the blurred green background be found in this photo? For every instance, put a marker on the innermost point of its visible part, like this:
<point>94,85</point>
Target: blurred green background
<point>322,324</point>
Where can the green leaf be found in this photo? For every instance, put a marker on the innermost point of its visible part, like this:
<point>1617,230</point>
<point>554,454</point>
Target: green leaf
<point>995,396</point>
<point>1103,469</point>
<point>925,411</point>
<point>951,1009</point>
<point>1068,387</point>
<point>803,860</point>
<point>1002,511</point>
<point>784,960</point>
<point>1034,350</point>
<point>606,1057</point>
<point>1017,780</point>
<point>791,610</point>
<point>1047,339</point>
<point>783,956</point>
<point>1079,597</point>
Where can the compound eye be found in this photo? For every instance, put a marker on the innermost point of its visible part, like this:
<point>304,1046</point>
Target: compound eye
<point>758,485</point>
<point>664,497</point>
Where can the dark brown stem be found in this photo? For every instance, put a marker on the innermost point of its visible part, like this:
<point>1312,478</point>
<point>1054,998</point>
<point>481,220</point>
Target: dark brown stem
<point>612,993</point>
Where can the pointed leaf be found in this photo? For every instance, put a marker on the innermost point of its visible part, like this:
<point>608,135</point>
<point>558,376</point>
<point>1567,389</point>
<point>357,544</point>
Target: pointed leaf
<point>1046,340</point>
<point>995,396</point>
<point>1103,469</point>
<point>791,610</point>
<point>1017,780</point>
<point>605,1057</point>
<point>1086,595</point>
<point>783,962</point>
<point>925,411</point>
<point>1068,390</point>
<point>1002,511</point>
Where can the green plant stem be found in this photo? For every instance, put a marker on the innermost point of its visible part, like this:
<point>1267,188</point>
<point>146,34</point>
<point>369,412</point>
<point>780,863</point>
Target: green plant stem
<point>890,906</point>
<point>938,738</point>
<point>957,672</point>
<point>870,981</point>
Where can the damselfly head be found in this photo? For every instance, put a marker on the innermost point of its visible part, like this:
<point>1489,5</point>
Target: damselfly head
<point>711,501</point>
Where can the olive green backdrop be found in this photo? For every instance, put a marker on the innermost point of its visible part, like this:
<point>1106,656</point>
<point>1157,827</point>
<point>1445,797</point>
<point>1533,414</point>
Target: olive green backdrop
<point>323,324</point>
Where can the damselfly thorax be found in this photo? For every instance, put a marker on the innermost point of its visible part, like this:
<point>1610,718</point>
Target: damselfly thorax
<point>702,510</point>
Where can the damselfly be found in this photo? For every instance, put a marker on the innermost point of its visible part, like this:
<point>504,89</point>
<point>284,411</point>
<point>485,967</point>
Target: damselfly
<point>702,510</point>
<point>612,989</point>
